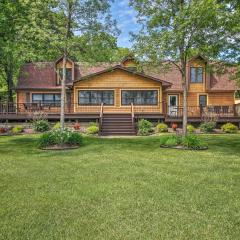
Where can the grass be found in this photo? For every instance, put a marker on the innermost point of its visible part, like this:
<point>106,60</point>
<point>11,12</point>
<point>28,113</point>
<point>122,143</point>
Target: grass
<point>120,189</point>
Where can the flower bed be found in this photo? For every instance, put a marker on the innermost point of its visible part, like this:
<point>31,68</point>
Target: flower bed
<point>60,139</point>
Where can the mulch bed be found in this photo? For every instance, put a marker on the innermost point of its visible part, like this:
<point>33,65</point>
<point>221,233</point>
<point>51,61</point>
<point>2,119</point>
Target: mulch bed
<point>61,147</point>
<point>180,147</point>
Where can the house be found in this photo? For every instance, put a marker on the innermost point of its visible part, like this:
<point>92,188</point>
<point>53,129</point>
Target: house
<point>117,95</point>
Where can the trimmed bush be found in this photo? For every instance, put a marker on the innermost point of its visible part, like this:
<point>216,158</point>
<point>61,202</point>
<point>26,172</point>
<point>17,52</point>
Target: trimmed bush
<point>144,127</point>
<point>60,137</point>
<point>57,125</point>
<point>92,130</point>
<point>207,127</point>
<point>162,127</point>
<point>41,125</point>
<point>191,128</point>
<point>229,128</point>
<point>17,129</point>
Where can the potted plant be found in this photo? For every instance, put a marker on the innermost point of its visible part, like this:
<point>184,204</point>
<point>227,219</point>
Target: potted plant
<point>76,126</point>
<point>174,126</point>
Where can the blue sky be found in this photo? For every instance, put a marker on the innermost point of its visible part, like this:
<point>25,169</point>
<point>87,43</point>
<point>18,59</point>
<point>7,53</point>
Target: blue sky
<point>126,20</point>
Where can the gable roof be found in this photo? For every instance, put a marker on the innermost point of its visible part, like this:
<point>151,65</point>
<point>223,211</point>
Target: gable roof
<point>165,83</point>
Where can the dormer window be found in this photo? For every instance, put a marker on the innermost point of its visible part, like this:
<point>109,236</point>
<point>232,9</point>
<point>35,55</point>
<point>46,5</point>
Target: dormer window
<point>60,75</point>
<point>196,75</point>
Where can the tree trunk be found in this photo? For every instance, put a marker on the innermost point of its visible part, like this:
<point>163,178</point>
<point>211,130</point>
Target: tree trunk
<point>63,92</point>
<point>185,107</point>
<point>9,79</point>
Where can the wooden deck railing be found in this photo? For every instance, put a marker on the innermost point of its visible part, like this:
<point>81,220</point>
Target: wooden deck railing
<point>198,111</point>
<point>160,108</point>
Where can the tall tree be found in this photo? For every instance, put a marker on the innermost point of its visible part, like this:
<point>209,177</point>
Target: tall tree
<point>173,30</point>
<point>68,18</point>
<point>13,16</point>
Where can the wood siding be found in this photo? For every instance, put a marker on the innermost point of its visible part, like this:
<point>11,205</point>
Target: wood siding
<point>118,80</point>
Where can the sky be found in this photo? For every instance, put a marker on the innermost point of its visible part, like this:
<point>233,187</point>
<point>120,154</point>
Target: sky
<point>126,21</point>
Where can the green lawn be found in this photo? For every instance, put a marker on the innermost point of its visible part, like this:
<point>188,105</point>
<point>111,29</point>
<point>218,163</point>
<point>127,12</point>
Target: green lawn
<point>120,189</point>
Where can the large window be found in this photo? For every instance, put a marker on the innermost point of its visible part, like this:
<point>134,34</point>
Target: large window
<point>96,97</point>
<point>46,98</point>
<point>196,75</point>
<point>140,97</point>
<point>203,100</point>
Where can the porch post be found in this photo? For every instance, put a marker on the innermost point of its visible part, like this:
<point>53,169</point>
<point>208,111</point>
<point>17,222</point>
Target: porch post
<point>235,110</point>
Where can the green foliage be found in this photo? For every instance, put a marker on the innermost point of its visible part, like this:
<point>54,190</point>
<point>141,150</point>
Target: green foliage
<point>229,128</point>
<point>93,124</point>
<point>191,128</point>
<point>60,137</point>
<point>162,127</point>
<point>17,129</point>
<point>189,141</point>
<point>193,142</point>
<point>57,125</point>
<point>144,127</point>
<point>41,125</point>
<point>170,140</point>
<point>208,127</point>
<point>92,130</point>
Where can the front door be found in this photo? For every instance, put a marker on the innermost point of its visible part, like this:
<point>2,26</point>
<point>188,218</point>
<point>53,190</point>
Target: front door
<point>173,105</point>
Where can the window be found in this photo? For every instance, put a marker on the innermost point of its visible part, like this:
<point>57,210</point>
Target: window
<point>95,97</point>
<point>196,75</point>
<point>139,97</point>
<point>203,100</point>
<point>68,75</point>
<point>46,98</point>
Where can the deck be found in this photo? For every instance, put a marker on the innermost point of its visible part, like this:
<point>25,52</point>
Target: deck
<point>26,111</point>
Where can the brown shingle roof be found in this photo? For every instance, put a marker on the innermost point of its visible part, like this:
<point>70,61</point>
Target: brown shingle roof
<point>42,76</point>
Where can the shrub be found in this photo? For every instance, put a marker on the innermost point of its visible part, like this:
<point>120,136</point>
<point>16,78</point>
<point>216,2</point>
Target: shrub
<point>193,142</point>
<point>162,127</point>
<point>92,130</point>
<point>76,126</point>
<point>172,140</point>
<point>144,127</point>
<point>17,129</point>
<point>229,128</point>
<point>41,125</point>
<point>60,137</point>
<point>190,141</point>
<point>91,124</point>
<point>191,128</point>
<point>207,127</point>
<point>57,125</point>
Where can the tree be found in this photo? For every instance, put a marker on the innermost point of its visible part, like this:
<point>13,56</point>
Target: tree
<point>13,16</point>
<point>173,30</point>
<point>68,19</point>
